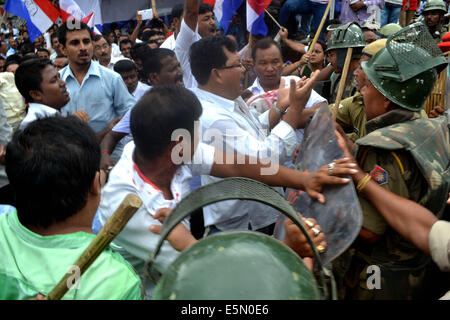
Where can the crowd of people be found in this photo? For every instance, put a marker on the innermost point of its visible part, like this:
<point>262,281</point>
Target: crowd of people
<point>159,111</point>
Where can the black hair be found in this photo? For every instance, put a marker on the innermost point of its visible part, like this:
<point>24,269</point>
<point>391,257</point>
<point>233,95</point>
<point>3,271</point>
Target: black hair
<point>207,54</point>
<point>156,24</point>
<point>158,114</point>
<point>152,62</point>
<point>28,76</point>
<point>26,47</point>
<point>106,34</point>
<point>97,37</point>
<point>68,26</point>
<point>204,8</point>
<point>177,11</point>
<point>150,33</point>
<point>43,50</point>
<point>264,44</point>
<point>13,59</point>
<point>124,66</point>
<point>125,41</point>
<point>53,36</point>
<point>139,51</point>
<point>51,165</point>
<point>323,45</point>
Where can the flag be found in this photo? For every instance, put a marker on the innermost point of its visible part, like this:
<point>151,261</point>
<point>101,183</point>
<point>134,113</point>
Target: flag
<point>255,16</point>
<point>224,11</point>
<point>70,9</point>
<point>39,14</point>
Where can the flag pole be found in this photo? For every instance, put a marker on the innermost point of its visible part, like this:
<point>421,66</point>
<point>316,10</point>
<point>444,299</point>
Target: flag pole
<point>274,20</point>
<point>155,13</point>
<point>249,52</point>
<point>318,31</point>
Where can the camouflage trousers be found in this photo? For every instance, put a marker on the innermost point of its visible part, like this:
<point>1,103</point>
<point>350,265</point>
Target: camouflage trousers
<point>358,277</point>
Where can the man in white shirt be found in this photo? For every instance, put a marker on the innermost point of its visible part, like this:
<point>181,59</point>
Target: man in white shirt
<point>129,73</point>
<point>160,67</point>
<point>177,16</point>
<point>40,84</point>
<point>158,165</point>
<point>198,22</point>
<point>268,64</point>
<point>102,52</point>
<point>217,68</point>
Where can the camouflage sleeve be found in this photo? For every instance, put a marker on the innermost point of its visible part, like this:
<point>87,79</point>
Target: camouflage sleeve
<point>397,173</point>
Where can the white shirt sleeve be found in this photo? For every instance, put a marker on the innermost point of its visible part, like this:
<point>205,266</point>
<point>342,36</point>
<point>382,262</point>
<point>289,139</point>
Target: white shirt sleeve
<point>186,37</point>
<point>203,160</point>
<point>279,146</point>
<point>439,242</point>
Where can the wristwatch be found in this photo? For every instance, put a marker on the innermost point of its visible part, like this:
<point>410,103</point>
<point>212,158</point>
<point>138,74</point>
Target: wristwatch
<point>280,113</point>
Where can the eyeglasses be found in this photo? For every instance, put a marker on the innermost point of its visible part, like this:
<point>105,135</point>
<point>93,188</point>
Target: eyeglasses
<point>239,65</point>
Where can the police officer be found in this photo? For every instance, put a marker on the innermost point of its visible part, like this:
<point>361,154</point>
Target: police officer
<point>350,114</point>
<point>433,13</point>
<point>343,37</point>
<point>403,153</point>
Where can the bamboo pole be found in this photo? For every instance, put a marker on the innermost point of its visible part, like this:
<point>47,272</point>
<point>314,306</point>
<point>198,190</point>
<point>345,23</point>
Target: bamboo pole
<point>348,58</point>
<point>249,53</point>
<point>274,20</point>
<point>110,230</point>
<point>155,13</point>
<point>318,31</point>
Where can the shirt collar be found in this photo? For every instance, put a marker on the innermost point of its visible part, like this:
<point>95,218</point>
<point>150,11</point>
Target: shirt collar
<point>42,107</point>
<point>256,88</point>
<point>94,69</point>
<point>219,101</point>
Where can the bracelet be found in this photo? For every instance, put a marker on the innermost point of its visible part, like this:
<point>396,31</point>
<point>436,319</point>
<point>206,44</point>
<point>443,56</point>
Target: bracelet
<point>363,182</point>
<point>106,151</point>
<point>280,113</point>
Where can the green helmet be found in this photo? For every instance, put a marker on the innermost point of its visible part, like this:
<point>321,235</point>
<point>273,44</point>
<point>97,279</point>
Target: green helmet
<point>406,70</point>
<point>242,264</point>
<point>348,35</point>
<point>435,5</point>
<point>390,29</point>
<point>236,266</point>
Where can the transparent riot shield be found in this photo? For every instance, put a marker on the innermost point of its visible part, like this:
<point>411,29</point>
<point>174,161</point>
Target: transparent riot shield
<point>340,217</point>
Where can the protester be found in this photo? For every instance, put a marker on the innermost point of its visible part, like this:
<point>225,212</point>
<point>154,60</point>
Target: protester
<point>161,67</point>
<point>125,47</point>
<point>40,84</point>
<point>60,62</point>
<point>53,167</point>
<point>361,11</point>
<point>102,52</point>
<point>390,13</point>
<point>177,17</point>
<point>148,168</point>
<point>100,92</point>
<point>195,16</point>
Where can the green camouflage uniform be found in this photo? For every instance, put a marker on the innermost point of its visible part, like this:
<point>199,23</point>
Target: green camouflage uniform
<point>351,116</point>
<point>350,88</point>
<point>412,155</point>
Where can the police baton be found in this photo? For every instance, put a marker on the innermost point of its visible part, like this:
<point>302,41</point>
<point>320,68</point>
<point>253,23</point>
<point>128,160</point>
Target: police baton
<point>348,58</point>
<point>110,230</point>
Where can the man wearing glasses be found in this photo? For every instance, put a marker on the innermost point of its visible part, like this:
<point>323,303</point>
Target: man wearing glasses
<point>217,68</point>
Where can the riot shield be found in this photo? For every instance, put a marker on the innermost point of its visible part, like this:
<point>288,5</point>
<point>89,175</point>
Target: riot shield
<point>340,217</point>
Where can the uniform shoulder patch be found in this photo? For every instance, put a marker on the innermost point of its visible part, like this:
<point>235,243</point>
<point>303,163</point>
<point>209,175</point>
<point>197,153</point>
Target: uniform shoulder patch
<point>379,175</point>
